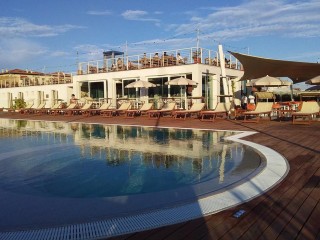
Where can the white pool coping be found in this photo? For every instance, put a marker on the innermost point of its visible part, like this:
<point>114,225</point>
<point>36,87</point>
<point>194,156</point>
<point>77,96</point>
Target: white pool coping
<point>274,172</point>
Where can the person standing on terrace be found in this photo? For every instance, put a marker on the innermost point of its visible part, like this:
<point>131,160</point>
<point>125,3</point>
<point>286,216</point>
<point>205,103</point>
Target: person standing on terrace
<point>156,60</point>
<point>251,98</point>
<point>180,59</point>
<point>251,102</point>
<point>244,101</point>
<point>145,61</point>
<point>120,64</point>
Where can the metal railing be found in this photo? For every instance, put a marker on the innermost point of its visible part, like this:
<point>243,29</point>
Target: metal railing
<point>157,59</point>
<point>20,80</point>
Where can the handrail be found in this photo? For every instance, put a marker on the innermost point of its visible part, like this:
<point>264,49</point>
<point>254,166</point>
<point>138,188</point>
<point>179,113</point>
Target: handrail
<point>157,59</point>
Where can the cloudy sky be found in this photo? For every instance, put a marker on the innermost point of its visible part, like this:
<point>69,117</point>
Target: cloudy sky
<point>53,35</point>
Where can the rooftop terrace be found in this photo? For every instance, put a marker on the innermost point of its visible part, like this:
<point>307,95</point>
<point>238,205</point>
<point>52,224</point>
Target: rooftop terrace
<point>118,61</point>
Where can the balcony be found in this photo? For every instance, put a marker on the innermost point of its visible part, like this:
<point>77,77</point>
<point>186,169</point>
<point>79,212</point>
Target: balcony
<point>156,60</point>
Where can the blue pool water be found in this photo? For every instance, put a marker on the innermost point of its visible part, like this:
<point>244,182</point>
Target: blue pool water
<point>54,173</point>
<point>104,161</point>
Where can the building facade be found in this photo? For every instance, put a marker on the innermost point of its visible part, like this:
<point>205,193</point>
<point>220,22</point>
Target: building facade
<point>215,73</point>
<point>33,87</point>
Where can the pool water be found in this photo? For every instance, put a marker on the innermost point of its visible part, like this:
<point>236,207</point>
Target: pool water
<point>99,161</point>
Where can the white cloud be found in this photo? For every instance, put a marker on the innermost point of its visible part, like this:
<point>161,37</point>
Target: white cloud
<point>134,14</point>
<point>138,15</point>
<point>59,54</point>
<point>19,51</point>
<point>99,13</point>
<point>19,27</point>
<point>259,18</point>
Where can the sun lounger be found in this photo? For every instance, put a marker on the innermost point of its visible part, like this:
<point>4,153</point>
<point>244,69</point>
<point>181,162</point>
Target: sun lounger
<point>131,113</point>
<point>96,111</point>
<point>54,110</point>
<point>38,110</point>
<point>64,110</point>
<point>306,113</point>
<point>196,108</point>
<point>221,110</point>
<point>112,112</point>
<point>262,109</point>
<point>77,111</point>
<point>167,110</point>
<point>26,109</point>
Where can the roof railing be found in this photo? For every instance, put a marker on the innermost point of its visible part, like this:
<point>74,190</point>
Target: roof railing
<point>157,59</point>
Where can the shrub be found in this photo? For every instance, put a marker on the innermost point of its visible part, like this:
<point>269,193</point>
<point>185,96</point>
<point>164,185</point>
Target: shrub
<point>19,103</point>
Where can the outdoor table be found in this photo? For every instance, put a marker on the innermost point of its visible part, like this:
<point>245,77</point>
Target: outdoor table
<point>284,113</point>
<point>238,112</point>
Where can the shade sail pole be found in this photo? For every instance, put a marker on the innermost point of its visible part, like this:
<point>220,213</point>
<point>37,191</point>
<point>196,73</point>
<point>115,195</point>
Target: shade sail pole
<point>223,73</point>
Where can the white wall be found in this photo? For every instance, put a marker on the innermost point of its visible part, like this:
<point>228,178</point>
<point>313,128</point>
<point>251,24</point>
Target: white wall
<point>30,94</point>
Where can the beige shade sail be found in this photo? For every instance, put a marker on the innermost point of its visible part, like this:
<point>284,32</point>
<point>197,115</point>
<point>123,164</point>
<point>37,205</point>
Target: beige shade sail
<point>314,88</point>
<point>257,67</point>
<point>314,81</point>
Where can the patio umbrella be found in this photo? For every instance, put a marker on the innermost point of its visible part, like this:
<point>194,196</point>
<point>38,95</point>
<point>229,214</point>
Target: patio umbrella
<point>182,81</point>
<point>268,81</point>
<point>314,81</point>
<point>140,84</point>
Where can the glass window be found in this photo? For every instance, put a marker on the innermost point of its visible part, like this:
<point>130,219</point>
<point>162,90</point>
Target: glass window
<point>161,89</point>
<point>129,92</point>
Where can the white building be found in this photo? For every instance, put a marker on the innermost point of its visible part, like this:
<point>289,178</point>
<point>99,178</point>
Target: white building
<point>33,87</point>
<point>216,75</point>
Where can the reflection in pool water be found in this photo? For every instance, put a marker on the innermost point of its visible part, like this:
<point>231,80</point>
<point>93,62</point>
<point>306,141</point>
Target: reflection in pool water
<point>92,161</point>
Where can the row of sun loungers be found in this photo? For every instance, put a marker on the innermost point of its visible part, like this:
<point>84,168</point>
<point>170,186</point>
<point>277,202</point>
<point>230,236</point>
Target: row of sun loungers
<point>307,111</point>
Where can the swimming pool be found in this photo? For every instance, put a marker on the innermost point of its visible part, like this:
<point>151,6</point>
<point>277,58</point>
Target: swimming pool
<point>56,174</point>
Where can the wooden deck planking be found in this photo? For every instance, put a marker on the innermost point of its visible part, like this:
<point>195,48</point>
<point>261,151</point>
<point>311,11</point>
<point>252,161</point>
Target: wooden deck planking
<point>311,227</point>
<point>293,228</point>
<point>268,210</point>
<point>290,204</point>
<point>289,210</point>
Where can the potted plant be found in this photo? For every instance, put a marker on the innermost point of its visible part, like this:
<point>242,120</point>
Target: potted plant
<point>19,103</point>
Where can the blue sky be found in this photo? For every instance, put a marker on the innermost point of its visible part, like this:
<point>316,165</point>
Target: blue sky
<point>47,35</point>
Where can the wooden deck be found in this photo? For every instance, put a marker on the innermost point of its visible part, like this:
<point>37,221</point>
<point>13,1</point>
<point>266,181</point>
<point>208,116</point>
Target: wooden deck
<point>291,210</point>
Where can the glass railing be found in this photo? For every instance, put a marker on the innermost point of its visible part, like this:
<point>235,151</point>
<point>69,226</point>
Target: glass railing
<point>23,81</point>
<point>157,59</point>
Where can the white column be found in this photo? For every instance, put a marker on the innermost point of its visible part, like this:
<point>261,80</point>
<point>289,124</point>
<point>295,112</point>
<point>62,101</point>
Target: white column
<point>223,72</point>
<point>113,94</point>
<point>197,76</point>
